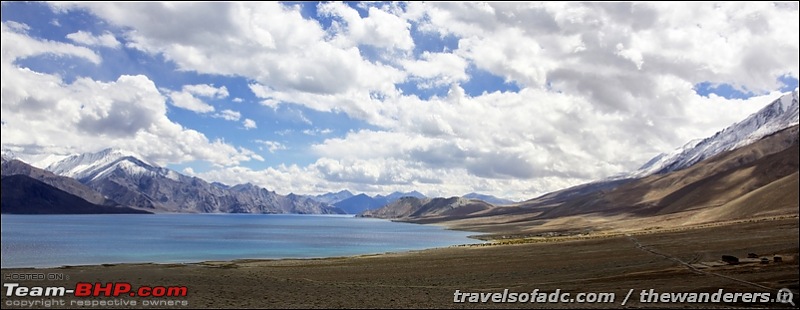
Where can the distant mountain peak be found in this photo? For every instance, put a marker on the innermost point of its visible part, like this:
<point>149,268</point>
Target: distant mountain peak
<point>397,195</point>
<point>488,198</point>
<point>332,198</point>
<point>92,165</point>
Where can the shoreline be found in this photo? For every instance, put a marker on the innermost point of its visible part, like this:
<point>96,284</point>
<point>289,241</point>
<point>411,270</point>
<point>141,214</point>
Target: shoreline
<point>428,278</point>
<point>488,242</point>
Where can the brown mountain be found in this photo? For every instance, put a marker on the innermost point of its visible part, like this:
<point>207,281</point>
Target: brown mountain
<point>67,184</point>
<point>757,180</point>
<point>413,207</point>
<point>25,195</point>
<point>709,183</point>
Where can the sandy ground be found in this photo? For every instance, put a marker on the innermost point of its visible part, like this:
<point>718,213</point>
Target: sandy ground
<point>665,261</point>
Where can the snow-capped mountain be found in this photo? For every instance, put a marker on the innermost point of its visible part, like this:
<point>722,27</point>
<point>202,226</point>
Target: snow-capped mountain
<point>66,184</point>
<point>126,178</point>
<point>780,114</point>
<point>88,166</point>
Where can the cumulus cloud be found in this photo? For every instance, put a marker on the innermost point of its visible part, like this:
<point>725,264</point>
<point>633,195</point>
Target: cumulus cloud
<point>85,38</point>
<point>249,124</point>
<point>187,97</point>
<point>437,69</point>
<point>379,28</point>
<point>88,115</point>
<point>17,44</point>
<point>229,115</point>
<point>189,102</point>
<point>206,90</point>
<point>626,42</point>
<point>267,42</point>
<point>272,146</point>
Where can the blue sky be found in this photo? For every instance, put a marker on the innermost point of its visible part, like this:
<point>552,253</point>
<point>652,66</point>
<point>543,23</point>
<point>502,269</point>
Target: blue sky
<point>510,99</point>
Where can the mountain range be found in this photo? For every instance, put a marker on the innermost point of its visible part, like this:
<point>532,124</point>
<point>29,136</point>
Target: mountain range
<point>30,190</point>
<point>742,160</point>
<point>127,179</point>
<point>332,198</point>
<point>362,202</point>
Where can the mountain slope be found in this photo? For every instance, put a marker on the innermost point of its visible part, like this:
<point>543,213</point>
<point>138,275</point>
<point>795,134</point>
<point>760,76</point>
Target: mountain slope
<point>710,183</point>
<point>129,180</point>
<point>415,208</point>
<point>489,198</point>
<point>397,195</point>
<point>67,184</point>
<point>778,115</point>
<point>776,198</point>
<point>25,195</point>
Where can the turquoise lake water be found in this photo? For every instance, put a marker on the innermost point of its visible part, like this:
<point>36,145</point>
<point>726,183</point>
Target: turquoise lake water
<point>58,240</point>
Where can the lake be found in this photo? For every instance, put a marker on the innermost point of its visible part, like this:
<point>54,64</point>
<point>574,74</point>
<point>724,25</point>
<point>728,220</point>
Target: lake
<point>58,240</point>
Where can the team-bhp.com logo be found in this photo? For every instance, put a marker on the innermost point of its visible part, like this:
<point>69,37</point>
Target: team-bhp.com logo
<point>85,289</point>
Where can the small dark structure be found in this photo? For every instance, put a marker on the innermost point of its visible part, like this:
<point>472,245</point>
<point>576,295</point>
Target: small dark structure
<point>777,258</point>
<point>752,255</point>
<point>730,259</point>
<point>764,260</point>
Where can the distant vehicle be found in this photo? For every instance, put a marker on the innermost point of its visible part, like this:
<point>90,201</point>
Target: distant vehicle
<point>730,259</point>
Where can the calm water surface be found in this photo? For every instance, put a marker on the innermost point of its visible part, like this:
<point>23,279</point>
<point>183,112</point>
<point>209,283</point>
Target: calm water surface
<point>57,240</point>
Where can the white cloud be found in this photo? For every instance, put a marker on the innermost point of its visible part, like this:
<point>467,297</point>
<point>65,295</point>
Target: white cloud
<point>590,49</point>
<point>249,124</point>
<point>440,68</point>
<point>17,44</point>
<point>229,115</point>
<point>290,57</point>
<point>88,115</point>
<point>207,91</point>
<point>267,42</point>
<point>272,146</point>
<point>317,131</point>
<point>379,28</point>
<point>186,100</point>
<point>17,27</point>
<point>106,39</point>
<point>187,97</point>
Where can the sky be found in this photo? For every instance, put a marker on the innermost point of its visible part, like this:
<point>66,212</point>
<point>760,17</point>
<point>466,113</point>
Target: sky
<point>509,99</point>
